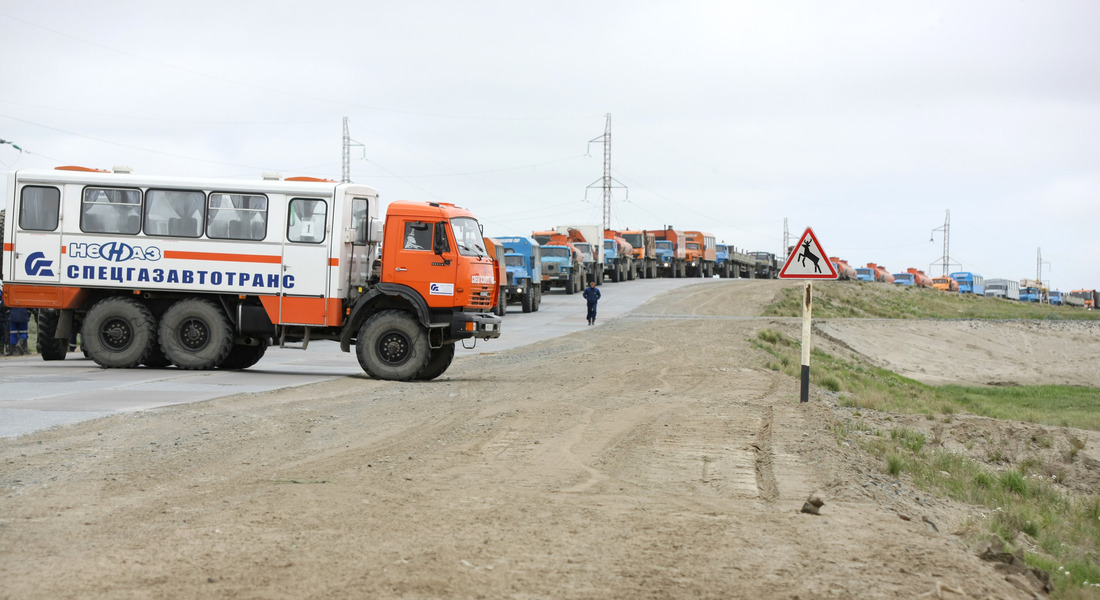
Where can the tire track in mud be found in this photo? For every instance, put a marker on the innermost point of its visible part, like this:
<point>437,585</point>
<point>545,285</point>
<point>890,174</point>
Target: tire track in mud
<point>764,461</point>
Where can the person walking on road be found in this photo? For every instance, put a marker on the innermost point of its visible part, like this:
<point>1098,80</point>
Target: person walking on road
<point>18,318</point>
<point>591,296</point>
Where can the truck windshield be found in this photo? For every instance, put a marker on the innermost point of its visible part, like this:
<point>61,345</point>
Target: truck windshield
<point>663,244</point>
<point>557,251</point>
<point>511,260</point>
<point>468,236</point>
<point>634,239</point>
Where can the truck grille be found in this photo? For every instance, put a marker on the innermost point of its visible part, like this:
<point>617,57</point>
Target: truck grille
<point>481,297</point>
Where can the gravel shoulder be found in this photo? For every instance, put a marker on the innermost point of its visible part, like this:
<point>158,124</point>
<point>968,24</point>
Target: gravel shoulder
<point>647,457</point>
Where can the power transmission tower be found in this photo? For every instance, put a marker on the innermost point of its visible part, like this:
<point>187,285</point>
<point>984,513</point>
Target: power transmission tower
<point>1039,262</point>
<point>946,260</point>
<point>607,181</point>
<point>348,143</point>
<point>786,241</point>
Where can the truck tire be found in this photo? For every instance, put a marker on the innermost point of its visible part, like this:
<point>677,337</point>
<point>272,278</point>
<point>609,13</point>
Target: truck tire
<point>571,285</point>
<point>392,345</point>
<point>538,298</point>
<point>118,332</point>
<point>528,301</point>
<point>195,334</point>
<point>438,362</point>
<point>242,356</point>
<point>50,347</point>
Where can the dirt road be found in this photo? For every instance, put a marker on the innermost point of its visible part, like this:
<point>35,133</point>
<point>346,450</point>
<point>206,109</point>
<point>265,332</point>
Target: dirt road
<point>650,457</point>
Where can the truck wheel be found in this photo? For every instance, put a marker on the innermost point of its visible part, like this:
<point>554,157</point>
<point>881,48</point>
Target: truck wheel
<point>528,301</point>
<point>195,334</point>
<point>50,347</point>
<point>392,345</point>
<point>242,356</point>
<point>438,362</point>
<point>118,332</point>
<point>571,286</point>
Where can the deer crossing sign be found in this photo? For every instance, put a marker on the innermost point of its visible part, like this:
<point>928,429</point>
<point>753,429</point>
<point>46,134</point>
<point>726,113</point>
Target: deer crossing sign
<point>808,260</point>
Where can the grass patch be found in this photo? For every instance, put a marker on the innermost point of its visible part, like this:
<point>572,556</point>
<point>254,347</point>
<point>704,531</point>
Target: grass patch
<point>845,299</point>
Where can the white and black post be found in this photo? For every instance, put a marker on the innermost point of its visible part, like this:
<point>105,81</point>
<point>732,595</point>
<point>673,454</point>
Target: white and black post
<point>807,306</point>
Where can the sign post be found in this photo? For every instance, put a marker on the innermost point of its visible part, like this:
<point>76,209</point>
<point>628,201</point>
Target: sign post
<point>805,263</point>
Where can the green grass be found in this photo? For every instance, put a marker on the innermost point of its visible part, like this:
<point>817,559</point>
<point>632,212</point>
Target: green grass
<point>1066,527</point>
<point>845,299</point>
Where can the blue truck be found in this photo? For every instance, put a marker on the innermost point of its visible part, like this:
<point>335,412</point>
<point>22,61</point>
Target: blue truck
<point>723,266</point>
<point>865,274</point>
<point>523,265</point>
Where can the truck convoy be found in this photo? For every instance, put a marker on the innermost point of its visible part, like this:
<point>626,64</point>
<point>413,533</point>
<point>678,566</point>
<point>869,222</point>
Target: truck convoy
<point>206,273</point>
<point>523,272</point>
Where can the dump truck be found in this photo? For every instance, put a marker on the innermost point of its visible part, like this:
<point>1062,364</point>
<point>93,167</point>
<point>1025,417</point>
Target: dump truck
<point>700,253</point>
<point>523,277</point>
<point>1008,289</point>
<point>969,283</point>
<point>618,261</point>
<point>207,273</point>
<point>562,262</point>
<point>645,252</point>
<point>671,253</point>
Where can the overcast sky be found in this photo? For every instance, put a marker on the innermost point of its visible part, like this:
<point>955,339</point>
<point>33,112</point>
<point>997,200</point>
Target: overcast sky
<point>866,120</point>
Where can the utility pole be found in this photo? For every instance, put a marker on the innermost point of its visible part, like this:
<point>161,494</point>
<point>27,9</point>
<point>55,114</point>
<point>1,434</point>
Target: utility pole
<point>348,143</point>
<point>607,181</point>
<point>946,229</point>
<point>1039,262</point>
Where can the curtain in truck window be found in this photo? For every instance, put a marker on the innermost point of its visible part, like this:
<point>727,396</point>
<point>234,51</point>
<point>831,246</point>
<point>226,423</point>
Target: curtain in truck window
<point>38,208</point>
<point>110,211</point>
<point>175,213</point>
<point>237,217</point>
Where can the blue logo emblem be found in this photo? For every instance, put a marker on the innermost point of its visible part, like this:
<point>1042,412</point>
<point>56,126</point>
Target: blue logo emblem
<point>38,266</point>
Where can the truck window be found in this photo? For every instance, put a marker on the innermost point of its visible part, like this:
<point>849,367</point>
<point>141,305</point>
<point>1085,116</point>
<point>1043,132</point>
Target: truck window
<point>110,211</point>
<point>512,260</point>
<point>359,220</point>
<point>38,208</point>
<point>237,217</point>
<point>176,213</point>
<point>306,222</point>
<point>418,235</point>
<point>468,236</point>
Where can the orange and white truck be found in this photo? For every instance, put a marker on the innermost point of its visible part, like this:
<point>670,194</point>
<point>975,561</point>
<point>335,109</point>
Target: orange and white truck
<point>206,273</point>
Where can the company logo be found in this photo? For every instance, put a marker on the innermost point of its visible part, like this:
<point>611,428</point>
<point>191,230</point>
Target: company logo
<point>38,266</point>
<point>441,289</point>
<point>114,251</point>
<point>482,279</point>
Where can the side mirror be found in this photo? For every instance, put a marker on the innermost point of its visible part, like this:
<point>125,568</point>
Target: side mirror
<point>439,244</point>
<point>374,233</point>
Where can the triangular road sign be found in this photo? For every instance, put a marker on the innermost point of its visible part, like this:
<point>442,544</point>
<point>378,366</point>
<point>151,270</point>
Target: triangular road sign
<point>808,260</point>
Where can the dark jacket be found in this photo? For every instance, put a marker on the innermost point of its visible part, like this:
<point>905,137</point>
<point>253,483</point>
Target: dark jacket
<point>591,294</point>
